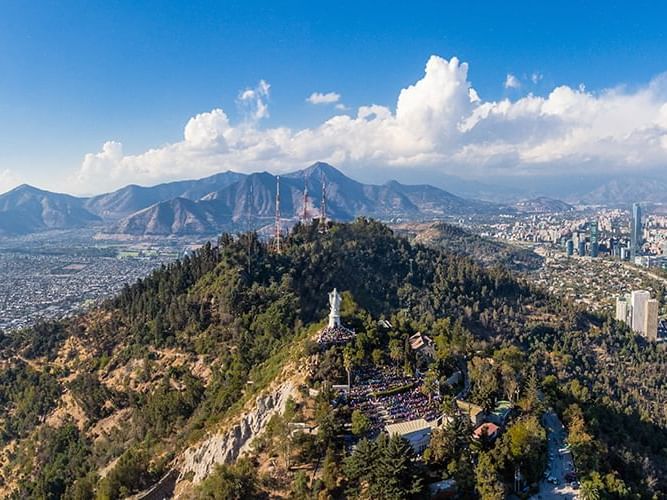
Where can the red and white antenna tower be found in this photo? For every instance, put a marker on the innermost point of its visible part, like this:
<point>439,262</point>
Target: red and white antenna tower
<point>278,232</point>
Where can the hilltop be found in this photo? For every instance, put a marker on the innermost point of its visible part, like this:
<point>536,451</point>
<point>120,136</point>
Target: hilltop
<point>214,360</point>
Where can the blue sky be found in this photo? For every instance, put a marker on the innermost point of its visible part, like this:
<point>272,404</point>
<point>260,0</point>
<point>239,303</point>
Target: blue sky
<point>74,75</point>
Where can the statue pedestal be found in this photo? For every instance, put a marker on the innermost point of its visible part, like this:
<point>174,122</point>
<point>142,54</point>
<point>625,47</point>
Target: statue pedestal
<point>334,320</point>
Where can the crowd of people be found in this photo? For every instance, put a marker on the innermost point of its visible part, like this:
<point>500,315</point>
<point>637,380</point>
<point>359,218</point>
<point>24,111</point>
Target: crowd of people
<point>334,335</point>
<point>410,405</point>
<point>386,396</point>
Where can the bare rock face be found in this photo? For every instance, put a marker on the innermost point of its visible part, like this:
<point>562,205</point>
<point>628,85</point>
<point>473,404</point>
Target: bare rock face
<point>225,447</point>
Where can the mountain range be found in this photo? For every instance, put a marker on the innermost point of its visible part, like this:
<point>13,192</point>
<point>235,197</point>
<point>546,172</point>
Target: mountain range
<point>228,201</point>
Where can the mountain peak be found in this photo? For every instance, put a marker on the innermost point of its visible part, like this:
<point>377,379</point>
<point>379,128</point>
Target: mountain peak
<point>26,188</point>
<point>322,168</point>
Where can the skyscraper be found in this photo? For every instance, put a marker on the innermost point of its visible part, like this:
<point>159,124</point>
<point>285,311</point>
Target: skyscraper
<point>639,302</point>
<point>636,232</point>
<point>594,238</point>
<point>581,250</point>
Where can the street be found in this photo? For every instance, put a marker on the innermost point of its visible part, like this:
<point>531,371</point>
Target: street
<point>560,463</point>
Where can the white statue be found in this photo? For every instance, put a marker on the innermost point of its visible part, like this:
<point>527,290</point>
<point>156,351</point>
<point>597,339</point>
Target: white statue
<point>334,314</point>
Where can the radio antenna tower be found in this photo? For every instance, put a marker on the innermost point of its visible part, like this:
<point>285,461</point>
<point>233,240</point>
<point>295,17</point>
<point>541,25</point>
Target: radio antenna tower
<point>323,207</point>
<point>278,249</point>
<point>305,200</point>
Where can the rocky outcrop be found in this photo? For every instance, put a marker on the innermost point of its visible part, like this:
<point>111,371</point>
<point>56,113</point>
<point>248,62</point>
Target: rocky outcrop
<point>225,447</point>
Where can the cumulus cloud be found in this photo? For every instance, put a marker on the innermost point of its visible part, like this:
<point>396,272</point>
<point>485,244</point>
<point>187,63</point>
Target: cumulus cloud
<point>536,77</point>
<point>320,98</point>
<point>512,82</point>
<point>8,180</point>
<point>439,122</point>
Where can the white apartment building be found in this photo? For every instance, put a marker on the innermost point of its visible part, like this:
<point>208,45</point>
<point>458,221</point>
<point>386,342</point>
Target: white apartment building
<point>639,300</point>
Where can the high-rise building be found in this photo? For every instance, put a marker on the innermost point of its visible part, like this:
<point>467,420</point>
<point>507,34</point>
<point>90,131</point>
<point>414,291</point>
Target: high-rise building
<point>639,299</point>
<point>651,320</point>
<point>582,248</point>
<point>569,248</point>
<point>623,309</point>
<point>594,238</point>
<point>636,231</point>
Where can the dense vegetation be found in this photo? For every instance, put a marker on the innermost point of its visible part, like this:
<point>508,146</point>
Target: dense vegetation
<point>229,313</point>
<point>490,252</point>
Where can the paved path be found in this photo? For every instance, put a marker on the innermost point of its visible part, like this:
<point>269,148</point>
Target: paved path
<point>559,463</point>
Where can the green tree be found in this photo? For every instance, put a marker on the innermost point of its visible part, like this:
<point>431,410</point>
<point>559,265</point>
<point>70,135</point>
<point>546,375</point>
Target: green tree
<point>361,424</point>
<point>330,471</point>
<point>359,467</point>
<point>526,440</point>
<point>485,382</point>
<point>377,356</point>
<point>431,383</point>
<point>396,475</point>
<point>488,483</point>
<point>581,442</point>
<point>589,490</point>
<point>230,482</point>
<point>530,403</point>
<point>300,489</point>
<point>396,351</point>
<point>131,474</point>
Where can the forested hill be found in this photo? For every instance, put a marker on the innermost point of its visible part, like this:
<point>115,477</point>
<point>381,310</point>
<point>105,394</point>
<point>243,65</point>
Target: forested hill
<point>102,405</point>
<point>456,240</point>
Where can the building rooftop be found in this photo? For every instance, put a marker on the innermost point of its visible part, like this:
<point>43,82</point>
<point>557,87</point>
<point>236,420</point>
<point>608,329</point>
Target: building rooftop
<point>409,427</point>
<point>489,428</point>
<point>417,341</point>
<point>469,408</point>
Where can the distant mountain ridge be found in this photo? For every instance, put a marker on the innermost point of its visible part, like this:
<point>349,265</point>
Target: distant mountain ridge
<point>228,201</point>
<point>543,204</point>
<point>627,191</point>
<point>251,201</point>
<point>133,198</point>
<point>26,210</point>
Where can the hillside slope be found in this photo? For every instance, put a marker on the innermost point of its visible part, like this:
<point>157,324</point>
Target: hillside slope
<point>458,241</point>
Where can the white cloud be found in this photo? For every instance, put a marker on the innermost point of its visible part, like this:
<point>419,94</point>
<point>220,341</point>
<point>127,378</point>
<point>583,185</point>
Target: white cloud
<point>253,102</point>
<point>320,98</point>
<point>512,82</point>
<point>8,180</point>
<point>536,77</point>
<point>439,122</point>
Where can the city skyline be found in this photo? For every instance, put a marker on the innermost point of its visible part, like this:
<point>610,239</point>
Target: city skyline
<point>213,94</point>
